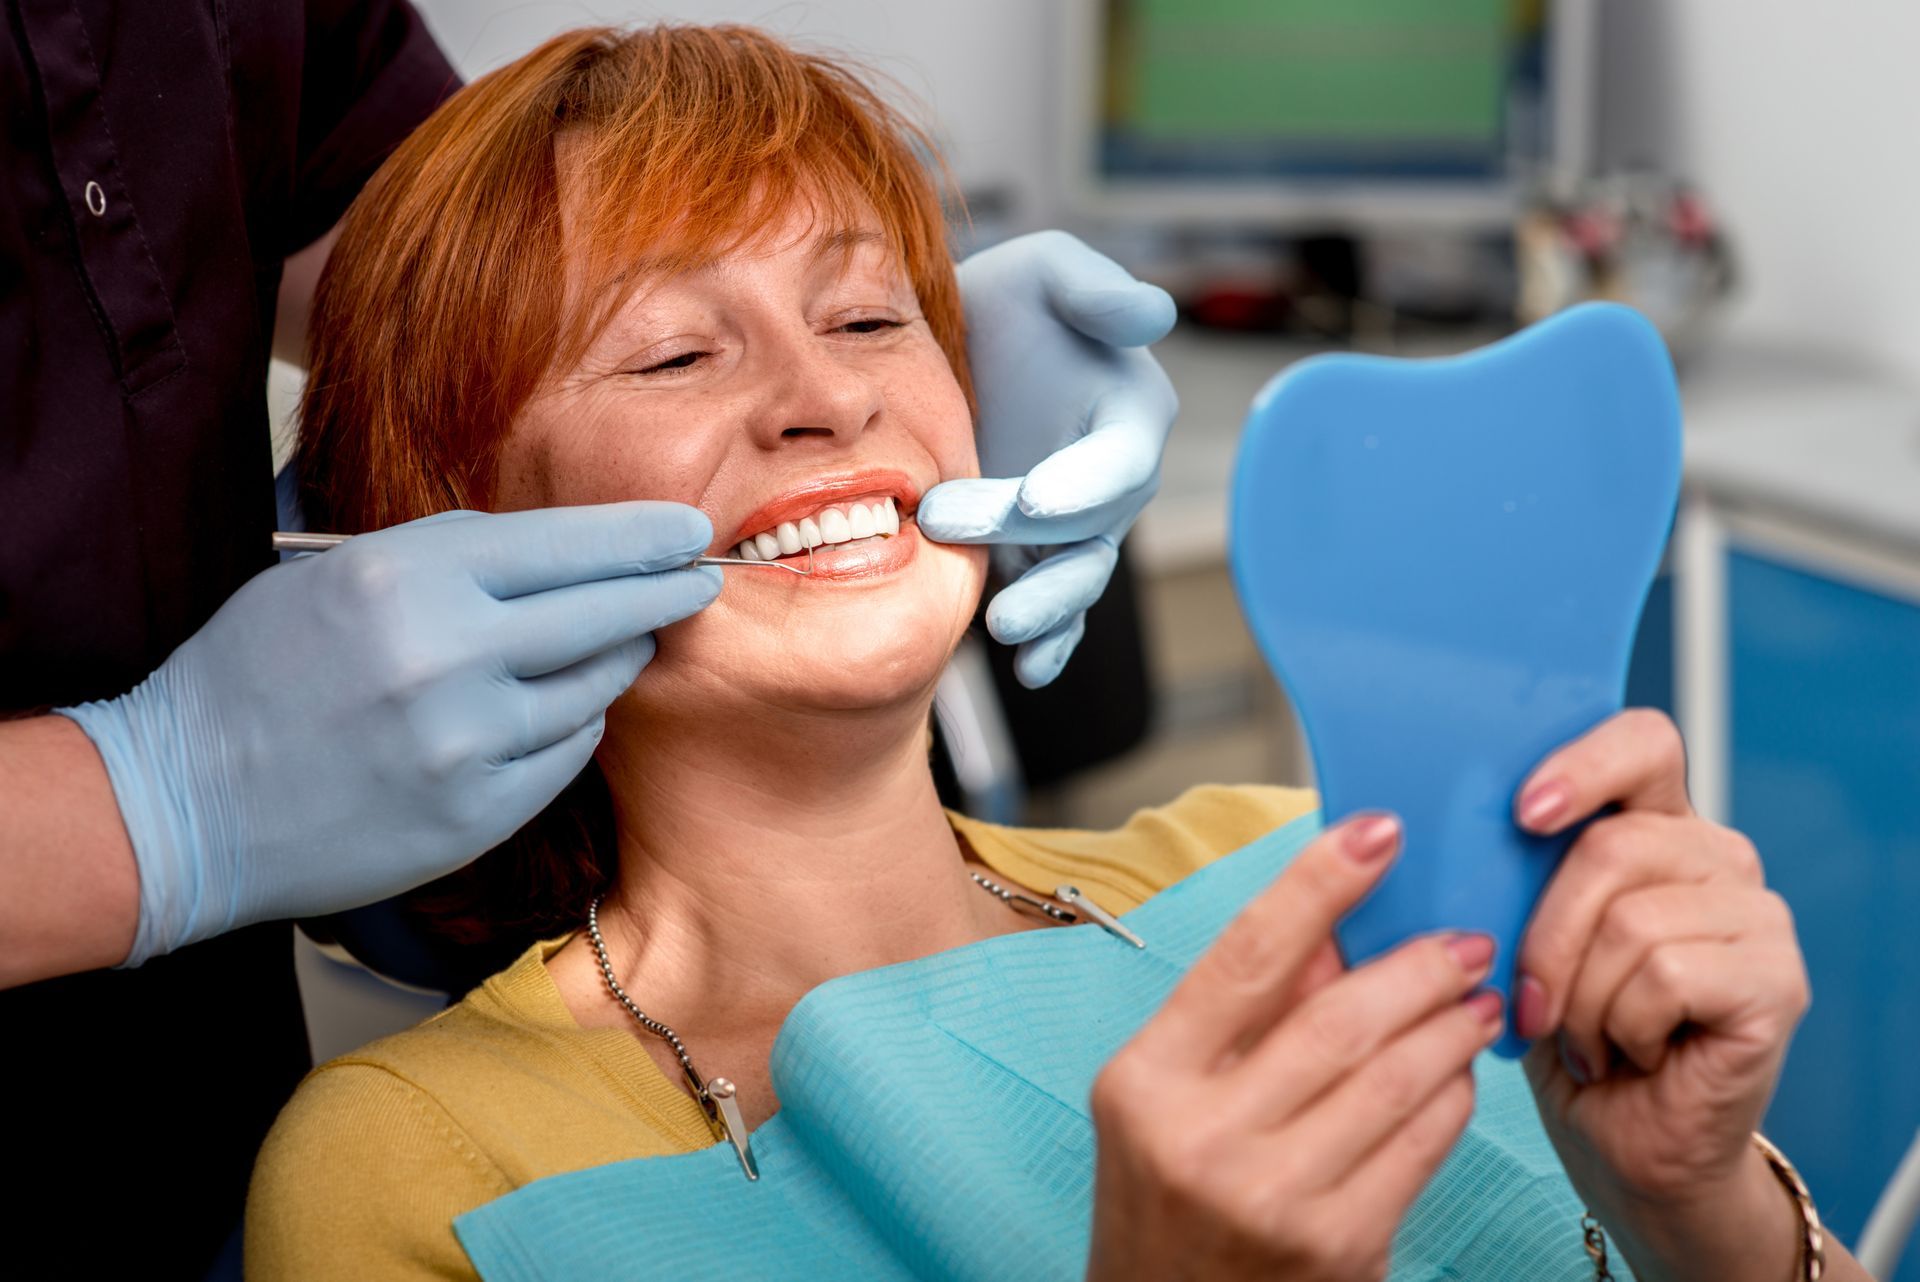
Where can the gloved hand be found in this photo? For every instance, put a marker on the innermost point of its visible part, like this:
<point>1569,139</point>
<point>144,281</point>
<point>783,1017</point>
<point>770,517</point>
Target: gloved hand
<point>1074,415</point>
<point>352,724</point>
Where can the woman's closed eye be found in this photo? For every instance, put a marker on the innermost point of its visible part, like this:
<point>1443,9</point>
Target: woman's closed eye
<point>870,325</point>
<point>685,360</point>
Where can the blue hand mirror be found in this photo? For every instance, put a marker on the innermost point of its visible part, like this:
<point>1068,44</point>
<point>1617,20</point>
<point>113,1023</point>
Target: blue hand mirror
<point>1444,562</point>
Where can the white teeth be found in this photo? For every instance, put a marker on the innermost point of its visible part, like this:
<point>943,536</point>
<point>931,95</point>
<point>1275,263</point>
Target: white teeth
<point>879,518</point>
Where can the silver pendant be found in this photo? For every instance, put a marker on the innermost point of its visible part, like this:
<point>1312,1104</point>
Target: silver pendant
<point>1071,895</point>
<point>721,1092</point>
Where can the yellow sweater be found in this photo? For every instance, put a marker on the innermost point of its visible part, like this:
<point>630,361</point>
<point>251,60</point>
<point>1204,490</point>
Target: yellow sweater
<point>378,1151</point>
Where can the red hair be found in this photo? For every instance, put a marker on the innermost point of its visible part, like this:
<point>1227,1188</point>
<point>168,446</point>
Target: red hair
<point>442,308</point>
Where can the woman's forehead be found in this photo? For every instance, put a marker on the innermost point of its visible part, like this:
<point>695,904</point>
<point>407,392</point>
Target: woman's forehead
<point>820,254</point>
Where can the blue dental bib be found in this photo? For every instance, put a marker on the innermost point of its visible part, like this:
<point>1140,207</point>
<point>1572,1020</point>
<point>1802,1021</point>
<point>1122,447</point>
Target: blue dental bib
<point>933,1124</point>
<point>1445,561</point>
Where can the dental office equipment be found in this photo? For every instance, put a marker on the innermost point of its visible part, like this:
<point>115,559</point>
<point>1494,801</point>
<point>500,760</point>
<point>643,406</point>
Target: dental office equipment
<point>1444,562</point>
<point>300,541</point>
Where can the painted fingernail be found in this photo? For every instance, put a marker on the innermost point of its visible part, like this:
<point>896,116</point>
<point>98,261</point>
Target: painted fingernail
<point>1577,1067</point>
<point>1487,1005</point>
<point>1473,953</point>
<point>1370,840</point>
<point>1542,805</point>
<point>1530,1007</point>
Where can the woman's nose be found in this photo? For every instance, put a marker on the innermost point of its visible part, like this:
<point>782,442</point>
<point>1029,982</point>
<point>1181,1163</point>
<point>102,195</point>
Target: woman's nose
<point>815,392</point>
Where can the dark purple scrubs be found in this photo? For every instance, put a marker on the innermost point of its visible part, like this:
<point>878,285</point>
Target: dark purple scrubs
<point>160,159</point>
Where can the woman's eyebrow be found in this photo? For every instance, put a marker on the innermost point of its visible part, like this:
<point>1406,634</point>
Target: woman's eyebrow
<point>844,242</point>
<point>847,238</point>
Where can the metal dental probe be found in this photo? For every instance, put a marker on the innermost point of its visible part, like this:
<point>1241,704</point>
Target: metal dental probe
<point>289,541</point>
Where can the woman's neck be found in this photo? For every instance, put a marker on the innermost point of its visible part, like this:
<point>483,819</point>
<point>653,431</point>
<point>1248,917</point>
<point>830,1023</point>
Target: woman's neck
<point>756,864</point>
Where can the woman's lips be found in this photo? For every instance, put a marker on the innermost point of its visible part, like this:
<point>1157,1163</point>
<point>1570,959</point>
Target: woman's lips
<point>827,491</point>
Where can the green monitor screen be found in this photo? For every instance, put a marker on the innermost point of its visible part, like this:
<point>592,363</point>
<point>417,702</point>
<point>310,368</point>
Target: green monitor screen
<point>1259,90</point>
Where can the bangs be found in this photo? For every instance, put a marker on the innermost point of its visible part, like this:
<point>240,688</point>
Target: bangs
<point>690,143</point>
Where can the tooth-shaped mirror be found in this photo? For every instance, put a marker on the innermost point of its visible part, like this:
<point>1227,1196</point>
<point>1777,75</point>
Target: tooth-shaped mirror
<point>1444,562</point>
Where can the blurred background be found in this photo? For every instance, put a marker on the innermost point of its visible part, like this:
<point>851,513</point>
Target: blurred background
<point>1404,177</point>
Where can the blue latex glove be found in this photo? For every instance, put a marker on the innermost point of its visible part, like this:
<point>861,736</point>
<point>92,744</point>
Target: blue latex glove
<point>1074,415</point>
<point>352,724</point>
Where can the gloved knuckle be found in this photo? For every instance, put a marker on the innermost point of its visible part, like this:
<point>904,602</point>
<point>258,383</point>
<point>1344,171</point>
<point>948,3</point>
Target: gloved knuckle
<point>368,579</point>
<point>446,756</point>
<point>408,672</point>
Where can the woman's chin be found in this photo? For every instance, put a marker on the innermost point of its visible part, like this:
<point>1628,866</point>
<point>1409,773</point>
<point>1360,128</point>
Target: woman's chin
<point>855,674</point>
<point>805,671</point>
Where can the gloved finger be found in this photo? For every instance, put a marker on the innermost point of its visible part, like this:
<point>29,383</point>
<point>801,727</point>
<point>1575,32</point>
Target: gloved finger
<point>524,787</point>
<point>973,510</point>
<point>510,554</point>
<point>1051,593</point>
<point>987,510</point>
<point>1100,298</point>
<point>553,707</point>
<point>1039,661</point>
<point>546,631</point>
<point>1116,463</point>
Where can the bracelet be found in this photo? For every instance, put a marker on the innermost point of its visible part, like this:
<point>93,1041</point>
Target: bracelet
<point>1813,1238</point>
<point>1811,1261</point>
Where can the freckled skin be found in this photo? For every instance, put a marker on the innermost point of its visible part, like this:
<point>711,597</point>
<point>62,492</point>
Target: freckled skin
<point>725,386</point>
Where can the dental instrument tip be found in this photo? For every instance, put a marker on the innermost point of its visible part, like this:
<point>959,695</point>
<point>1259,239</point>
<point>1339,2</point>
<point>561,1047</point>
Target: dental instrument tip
<point>761,565</point>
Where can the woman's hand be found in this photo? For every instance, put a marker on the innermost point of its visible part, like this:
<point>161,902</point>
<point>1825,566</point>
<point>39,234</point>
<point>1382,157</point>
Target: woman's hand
<point>1279,1114</point>
<point>1671,976</point>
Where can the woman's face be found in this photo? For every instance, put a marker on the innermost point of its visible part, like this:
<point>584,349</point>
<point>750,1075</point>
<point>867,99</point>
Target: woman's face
<point>775,389</point>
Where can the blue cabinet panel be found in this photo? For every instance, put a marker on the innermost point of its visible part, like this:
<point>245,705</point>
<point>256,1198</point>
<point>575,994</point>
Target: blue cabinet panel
<point>1825,710</point>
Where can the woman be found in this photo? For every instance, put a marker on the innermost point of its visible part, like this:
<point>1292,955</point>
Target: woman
<point>693,264</point>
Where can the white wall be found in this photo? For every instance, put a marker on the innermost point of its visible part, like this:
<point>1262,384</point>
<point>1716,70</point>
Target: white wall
<point>1801,121</point>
